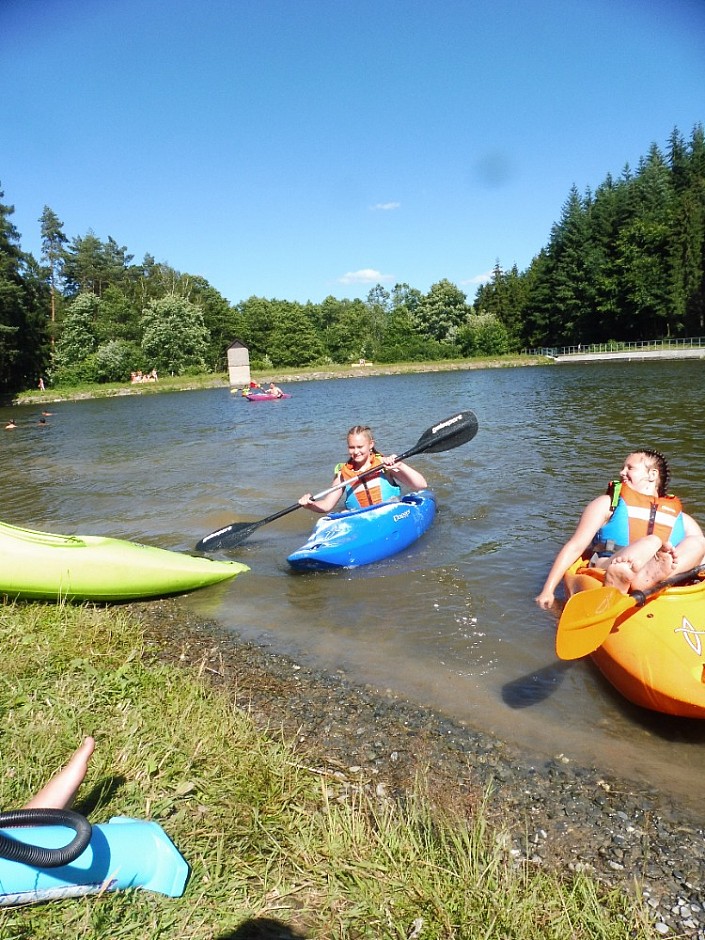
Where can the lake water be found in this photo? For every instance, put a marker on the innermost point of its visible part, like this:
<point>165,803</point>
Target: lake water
<point>450,623</point>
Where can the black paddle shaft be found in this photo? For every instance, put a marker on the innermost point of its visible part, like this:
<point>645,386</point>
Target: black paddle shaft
<point>641,597</point>
<point>446,435</point>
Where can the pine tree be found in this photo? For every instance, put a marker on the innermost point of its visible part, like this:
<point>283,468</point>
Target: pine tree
<point>24,308</point>
<point>53,242</point>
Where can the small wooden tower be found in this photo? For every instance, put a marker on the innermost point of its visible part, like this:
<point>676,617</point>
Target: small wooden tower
<point>238,364</point>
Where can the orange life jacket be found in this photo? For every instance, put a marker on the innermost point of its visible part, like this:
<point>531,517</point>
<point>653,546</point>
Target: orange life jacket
<point>372,489</point>
<point>636,515</point>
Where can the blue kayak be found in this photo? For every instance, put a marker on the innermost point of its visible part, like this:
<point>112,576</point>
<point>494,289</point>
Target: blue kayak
<point>360,536</point>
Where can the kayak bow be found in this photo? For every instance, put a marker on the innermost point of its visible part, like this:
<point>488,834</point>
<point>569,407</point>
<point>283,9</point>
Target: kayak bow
<point>362,536</point>
<point>43,566</point>
<point>654,654</point>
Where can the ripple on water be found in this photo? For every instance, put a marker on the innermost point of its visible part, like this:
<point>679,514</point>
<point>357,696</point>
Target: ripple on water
<point>452,622</point>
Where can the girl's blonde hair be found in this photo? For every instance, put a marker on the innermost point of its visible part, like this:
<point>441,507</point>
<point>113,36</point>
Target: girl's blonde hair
<point>367,431</point>
<point>361,429</point>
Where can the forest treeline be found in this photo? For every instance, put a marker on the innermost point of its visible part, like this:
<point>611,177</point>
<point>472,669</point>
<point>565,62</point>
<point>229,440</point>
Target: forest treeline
<point>626,261</point>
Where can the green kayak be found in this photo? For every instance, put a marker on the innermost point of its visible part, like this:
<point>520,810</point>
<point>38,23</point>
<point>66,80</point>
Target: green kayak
<point>43,566</point>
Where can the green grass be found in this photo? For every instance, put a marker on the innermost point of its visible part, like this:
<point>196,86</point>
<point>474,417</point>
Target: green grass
<point>113,389</point>
<point>266,837</point>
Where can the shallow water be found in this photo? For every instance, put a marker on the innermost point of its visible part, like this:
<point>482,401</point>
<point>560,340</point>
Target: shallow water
<point>450,623</point>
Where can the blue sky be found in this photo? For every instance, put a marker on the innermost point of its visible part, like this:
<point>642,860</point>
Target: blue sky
<point>301,148</point>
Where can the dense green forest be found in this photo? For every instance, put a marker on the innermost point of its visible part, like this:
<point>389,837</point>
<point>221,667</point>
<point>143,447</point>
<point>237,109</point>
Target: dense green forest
<point>626,261</point>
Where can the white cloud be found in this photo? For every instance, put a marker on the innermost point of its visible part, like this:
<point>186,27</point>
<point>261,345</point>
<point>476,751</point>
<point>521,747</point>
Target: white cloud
<point>479,278</point>
<point>385,206</point>
<point>365,276</point>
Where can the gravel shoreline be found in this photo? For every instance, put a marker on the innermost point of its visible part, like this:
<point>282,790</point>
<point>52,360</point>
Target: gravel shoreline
<point>560,815</point>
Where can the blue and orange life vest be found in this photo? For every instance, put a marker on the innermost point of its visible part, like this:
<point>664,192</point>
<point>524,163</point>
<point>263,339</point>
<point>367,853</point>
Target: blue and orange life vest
<point>635,515</point>
<point>372,489</point>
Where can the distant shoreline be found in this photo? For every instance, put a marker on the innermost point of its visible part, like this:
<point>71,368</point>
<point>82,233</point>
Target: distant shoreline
<point>356,371</point>
<point>184,384</point>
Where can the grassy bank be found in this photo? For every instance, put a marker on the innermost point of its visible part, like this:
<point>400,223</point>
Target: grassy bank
<point>268,835</point>
<point>304,374</point>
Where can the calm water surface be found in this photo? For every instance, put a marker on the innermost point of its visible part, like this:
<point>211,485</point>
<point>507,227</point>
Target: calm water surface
<point>450,623</point>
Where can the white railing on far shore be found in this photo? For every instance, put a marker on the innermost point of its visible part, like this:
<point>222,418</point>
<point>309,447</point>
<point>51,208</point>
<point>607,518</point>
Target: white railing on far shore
<point>690,342</point>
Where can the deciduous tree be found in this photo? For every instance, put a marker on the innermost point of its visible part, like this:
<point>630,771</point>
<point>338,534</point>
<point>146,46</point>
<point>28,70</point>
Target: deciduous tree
<point>174,336</point>
<point>442,310</point>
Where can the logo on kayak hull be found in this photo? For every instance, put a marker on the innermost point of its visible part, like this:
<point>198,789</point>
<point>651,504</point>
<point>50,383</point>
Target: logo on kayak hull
<point>691,635</point>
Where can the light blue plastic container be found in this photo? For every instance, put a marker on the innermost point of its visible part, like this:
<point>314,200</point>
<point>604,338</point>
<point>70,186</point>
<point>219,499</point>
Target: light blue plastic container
<point>123,853</point>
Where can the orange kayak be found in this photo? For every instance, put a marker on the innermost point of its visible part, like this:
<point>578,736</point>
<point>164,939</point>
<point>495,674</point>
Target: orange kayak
<point>655,655</point>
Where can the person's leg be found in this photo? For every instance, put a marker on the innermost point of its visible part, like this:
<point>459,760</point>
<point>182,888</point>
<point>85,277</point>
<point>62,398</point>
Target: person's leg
<point>686,555</point>
<point>60,791</point>
<point>626,564</point>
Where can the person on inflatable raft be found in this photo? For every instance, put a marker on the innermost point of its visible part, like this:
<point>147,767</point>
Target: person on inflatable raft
<point>382,484</point>
<point>634,532</point>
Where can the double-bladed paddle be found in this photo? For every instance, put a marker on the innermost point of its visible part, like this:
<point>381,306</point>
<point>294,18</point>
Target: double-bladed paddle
<point>446,435</point>
<point>588,616</point>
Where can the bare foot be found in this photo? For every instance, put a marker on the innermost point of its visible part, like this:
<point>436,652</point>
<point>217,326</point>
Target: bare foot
<point>660,567</point>
<point>619,574</point>
<point>668,549</point>
<point>60,791</point>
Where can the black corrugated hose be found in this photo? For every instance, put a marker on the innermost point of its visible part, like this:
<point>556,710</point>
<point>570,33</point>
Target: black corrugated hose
<point>37,855</point>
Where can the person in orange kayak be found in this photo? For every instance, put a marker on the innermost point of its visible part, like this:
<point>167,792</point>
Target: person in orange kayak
<point>382,483</point>
<point>635,532</point>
